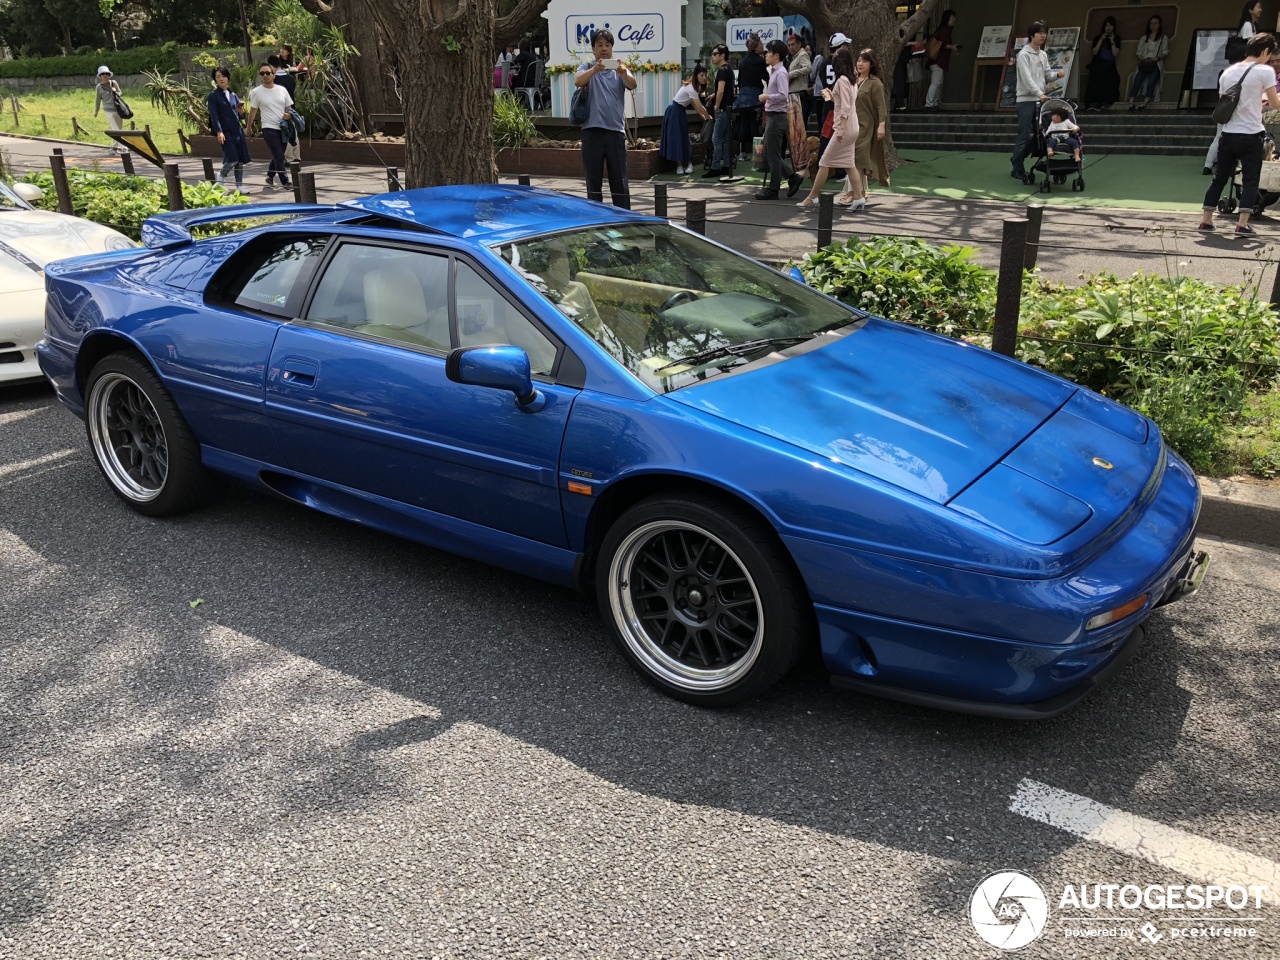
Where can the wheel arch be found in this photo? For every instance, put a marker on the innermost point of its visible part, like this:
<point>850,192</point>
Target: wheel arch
<point>620,496</point>
<point>99,344</point>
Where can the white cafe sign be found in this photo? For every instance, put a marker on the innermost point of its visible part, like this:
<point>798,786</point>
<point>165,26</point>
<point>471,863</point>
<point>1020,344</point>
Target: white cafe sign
<point>647,28</point>
<point>737,31</point>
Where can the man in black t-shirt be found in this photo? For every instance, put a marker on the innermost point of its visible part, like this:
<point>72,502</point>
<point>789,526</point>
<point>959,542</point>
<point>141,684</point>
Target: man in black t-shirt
<point>828,80</point>
<point>722,94</point>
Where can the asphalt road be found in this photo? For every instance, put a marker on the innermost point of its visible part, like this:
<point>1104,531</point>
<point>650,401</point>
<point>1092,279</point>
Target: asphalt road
<point>355,746</point>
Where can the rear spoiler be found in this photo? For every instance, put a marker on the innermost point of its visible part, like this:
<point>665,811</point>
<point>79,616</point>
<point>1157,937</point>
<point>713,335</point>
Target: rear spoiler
<point>164,231</point>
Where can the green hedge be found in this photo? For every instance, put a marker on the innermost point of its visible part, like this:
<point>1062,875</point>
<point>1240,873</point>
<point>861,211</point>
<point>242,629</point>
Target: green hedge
<point>121,62</point>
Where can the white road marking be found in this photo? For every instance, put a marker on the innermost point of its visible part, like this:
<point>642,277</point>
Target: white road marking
<point>1135,836</point>
<point>9,469</point>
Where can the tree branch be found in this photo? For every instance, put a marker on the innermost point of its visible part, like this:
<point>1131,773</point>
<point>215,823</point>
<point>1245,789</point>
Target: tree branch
<point>321,10</point>
<point>914,23</point>
<point>507,30</point>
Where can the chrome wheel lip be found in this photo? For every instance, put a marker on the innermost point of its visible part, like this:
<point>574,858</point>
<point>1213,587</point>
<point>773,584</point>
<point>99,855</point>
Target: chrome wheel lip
<point>106,390</point>
<point>637,639</point>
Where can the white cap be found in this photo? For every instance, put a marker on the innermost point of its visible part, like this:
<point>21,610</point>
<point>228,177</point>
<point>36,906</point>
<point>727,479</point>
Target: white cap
<point>103,69</point>
<point>839,40</point>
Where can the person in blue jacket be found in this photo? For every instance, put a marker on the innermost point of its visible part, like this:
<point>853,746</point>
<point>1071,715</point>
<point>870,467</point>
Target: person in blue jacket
<point>225,111</point>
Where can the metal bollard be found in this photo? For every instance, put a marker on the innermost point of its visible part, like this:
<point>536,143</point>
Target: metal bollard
<point>174,185</point>
<point>126,161</point>
<point>523,180</point>
<point>660,200</point>
<point>695,216</point>
<point>826,211</point>
<point>58,165</point>
<point>1013,253</point>
<point>1275,288</point>
<point>1035,216</point>
<point>307,184</point>
<point>295,175</point>
<point>393,179</point>
<point>208,169</point>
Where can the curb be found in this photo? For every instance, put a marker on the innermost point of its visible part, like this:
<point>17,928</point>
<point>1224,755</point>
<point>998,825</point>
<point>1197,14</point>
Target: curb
<point>1245,512</point>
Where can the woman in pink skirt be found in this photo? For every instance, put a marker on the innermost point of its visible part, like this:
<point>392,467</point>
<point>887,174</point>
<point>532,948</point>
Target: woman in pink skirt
<point>844,137</point>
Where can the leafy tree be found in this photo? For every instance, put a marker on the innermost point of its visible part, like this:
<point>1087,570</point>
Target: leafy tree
<point>444,52</point>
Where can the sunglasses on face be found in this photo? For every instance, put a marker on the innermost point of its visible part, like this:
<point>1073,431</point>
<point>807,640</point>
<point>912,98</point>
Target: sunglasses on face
<point>266,73</point>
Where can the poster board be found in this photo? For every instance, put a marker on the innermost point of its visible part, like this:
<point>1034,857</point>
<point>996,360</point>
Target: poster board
<point>1008,99</point>
<point>994,43</point>
<point>1208,58</point>
<point>1062,48</point>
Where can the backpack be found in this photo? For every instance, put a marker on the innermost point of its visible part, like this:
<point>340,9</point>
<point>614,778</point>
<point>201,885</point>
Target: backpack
<point>579,106</point>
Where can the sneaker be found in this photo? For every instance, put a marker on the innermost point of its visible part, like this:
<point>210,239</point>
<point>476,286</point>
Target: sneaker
<point>271,184</point>
<point>712,173</point>
<point>793,184</point>
<point>286,185</point>
<point>767,195</point>
<point>1243,230</point>
<point>1018,175</point>
<point>1207,171</point>
<point>1205,227</point>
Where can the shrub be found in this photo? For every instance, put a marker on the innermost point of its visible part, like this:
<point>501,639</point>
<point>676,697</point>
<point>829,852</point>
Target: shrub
<point>121,62</point>
<point>512,125</point>
<point>1191,356</point>
<point>124,202</point>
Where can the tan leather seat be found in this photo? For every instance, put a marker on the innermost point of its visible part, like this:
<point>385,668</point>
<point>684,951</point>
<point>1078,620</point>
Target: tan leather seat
<point>396,308</point>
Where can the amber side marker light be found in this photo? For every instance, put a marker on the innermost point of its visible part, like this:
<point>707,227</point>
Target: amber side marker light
<point>582,488</point>
<point>1119,613</point>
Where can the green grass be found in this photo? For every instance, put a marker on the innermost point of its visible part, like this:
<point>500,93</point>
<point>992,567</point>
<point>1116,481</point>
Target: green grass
<point>1254,440</point>
<point>49,115</point>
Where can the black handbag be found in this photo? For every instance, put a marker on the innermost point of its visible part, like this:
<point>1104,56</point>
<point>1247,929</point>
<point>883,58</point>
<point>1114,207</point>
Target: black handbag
<point>1225,109</point>
<point>124,111</point>
<point>579,106</point>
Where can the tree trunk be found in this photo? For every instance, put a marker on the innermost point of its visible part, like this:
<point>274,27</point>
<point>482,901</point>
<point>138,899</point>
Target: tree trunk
<point>447,69</point>
<point>372,70</point>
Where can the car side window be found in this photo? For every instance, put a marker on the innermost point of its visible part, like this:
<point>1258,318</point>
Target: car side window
<point>264,278</point>
<point>398,295</point>
<point>485,316</point>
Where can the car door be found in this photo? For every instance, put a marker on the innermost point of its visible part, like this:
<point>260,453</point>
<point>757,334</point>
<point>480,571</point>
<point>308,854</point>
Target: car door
<point>357,392</point>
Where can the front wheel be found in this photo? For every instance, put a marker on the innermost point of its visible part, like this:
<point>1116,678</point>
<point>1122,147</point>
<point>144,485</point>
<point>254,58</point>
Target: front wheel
<point>140,441</point>
<point>701,599</point>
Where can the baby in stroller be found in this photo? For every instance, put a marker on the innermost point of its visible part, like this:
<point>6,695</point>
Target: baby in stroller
<point>1062,134</point>
<point>1060,145</point>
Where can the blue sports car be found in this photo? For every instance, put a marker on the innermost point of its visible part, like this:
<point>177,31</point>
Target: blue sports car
<point>736,465</point>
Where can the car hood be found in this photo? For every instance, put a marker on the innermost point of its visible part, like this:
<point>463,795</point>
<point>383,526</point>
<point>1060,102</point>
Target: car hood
<point>41,237</point>
<point>926,414</point>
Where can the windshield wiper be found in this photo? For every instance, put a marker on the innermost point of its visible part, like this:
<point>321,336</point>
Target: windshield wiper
<point>734,349</point>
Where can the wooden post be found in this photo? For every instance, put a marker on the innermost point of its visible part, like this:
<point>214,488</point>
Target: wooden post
<point>826,211</point>
<point>307,184</point>
<point>695,216</point>
<point>660,200</point>
<point>295,175</point>
<point>174,184</point>
<point>126,161</point>
<point>182,140</point>
<point>44,123</point>
<point>523,180</point>
<point>133,124</point>
<point>13,102</point>
<point>58,165</point>
<point>1013,253</point>
<point>76,129</point>
<point>393,179</point>
<point>208,169</point>
<point>1035,216</point>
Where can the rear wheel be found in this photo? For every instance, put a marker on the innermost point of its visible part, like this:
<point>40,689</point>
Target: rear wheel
<point>701,599</point>
<point>140,441</point>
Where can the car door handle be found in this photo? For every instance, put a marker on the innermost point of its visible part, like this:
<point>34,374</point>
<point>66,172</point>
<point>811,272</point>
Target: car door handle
<point>299,373</point>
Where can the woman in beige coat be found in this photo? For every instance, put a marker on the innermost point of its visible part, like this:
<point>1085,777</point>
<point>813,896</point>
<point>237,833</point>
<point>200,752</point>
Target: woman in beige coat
<point>873,115</point>
<point>844,135</point>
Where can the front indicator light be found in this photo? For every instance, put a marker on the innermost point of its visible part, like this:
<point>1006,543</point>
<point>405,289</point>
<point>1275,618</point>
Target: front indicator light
<point>1119,613</point>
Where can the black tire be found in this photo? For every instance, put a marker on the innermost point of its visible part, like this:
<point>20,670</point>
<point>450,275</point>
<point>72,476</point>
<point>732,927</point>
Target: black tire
<point>1223,207</point>
<point>1233,205</point>
<point>701,598</point>
<point>140,441</point>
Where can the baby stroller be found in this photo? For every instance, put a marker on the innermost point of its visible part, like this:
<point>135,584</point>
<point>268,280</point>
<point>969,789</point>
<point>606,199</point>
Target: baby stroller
<point>1063,163</point>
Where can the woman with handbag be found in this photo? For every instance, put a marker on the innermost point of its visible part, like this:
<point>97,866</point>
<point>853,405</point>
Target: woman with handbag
<point>1246,84</point>
<point>753,77</point>
<point>1152,49</point>
<point>225,117</point>
<point>873,119</point>
<point>106,97</point>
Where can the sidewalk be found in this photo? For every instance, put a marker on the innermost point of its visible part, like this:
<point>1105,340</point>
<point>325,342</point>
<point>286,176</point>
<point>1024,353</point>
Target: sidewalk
<point>1074,241</point>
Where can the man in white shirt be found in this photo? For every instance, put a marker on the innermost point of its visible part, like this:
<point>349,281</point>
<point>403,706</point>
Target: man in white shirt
<point>274,102</point>
<point>1034,74</point>
<point>1241,138</point>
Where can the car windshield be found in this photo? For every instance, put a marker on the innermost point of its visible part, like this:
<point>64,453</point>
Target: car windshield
<point>673,308</point>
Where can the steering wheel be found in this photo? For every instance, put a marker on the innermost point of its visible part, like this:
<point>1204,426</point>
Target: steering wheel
<point>677,298</point>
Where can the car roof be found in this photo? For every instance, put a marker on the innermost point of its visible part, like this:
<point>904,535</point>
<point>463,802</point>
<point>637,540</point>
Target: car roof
<point>492,214</point>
